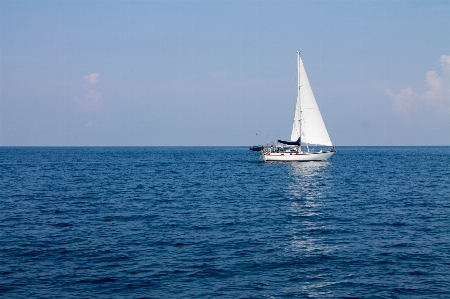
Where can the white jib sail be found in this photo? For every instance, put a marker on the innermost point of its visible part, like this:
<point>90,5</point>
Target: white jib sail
<point>307,117</point>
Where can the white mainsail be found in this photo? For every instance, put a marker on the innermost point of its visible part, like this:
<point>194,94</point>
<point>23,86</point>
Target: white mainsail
<point>308,119</point>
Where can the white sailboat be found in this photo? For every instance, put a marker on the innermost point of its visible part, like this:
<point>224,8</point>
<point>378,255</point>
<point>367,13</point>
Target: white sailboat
<point>309,138</point>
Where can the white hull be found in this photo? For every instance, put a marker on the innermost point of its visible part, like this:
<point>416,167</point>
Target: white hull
<point>293,157</point>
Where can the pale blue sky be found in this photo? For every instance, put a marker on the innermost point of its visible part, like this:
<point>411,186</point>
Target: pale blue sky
<point>76,73</point>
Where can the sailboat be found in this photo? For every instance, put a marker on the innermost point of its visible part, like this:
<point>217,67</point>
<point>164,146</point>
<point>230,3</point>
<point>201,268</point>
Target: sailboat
<point>309,138</point>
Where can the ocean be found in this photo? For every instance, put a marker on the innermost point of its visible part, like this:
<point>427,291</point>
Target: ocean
<point>214,222</point>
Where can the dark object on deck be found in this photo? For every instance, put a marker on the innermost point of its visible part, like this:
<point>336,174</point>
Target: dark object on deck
<point>290,142</point>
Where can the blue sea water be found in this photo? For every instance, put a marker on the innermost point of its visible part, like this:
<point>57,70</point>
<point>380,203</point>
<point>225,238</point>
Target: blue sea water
<point>209,222</point>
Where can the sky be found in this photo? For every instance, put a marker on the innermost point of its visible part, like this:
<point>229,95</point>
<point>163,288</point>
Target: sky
<point>221,73</point>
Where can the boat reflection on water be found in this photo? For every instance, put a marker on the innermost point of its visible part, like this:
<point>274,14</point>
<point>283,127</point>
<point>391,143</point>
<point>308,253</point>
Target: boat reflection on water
<point>308,193</point>
<point>308,228</point>
<point>309,179</point>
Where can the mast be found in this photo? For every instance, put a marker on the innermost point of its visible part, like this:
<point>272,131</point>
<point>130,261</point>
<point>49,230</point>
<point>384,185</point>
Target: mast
<point>299,110</point>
